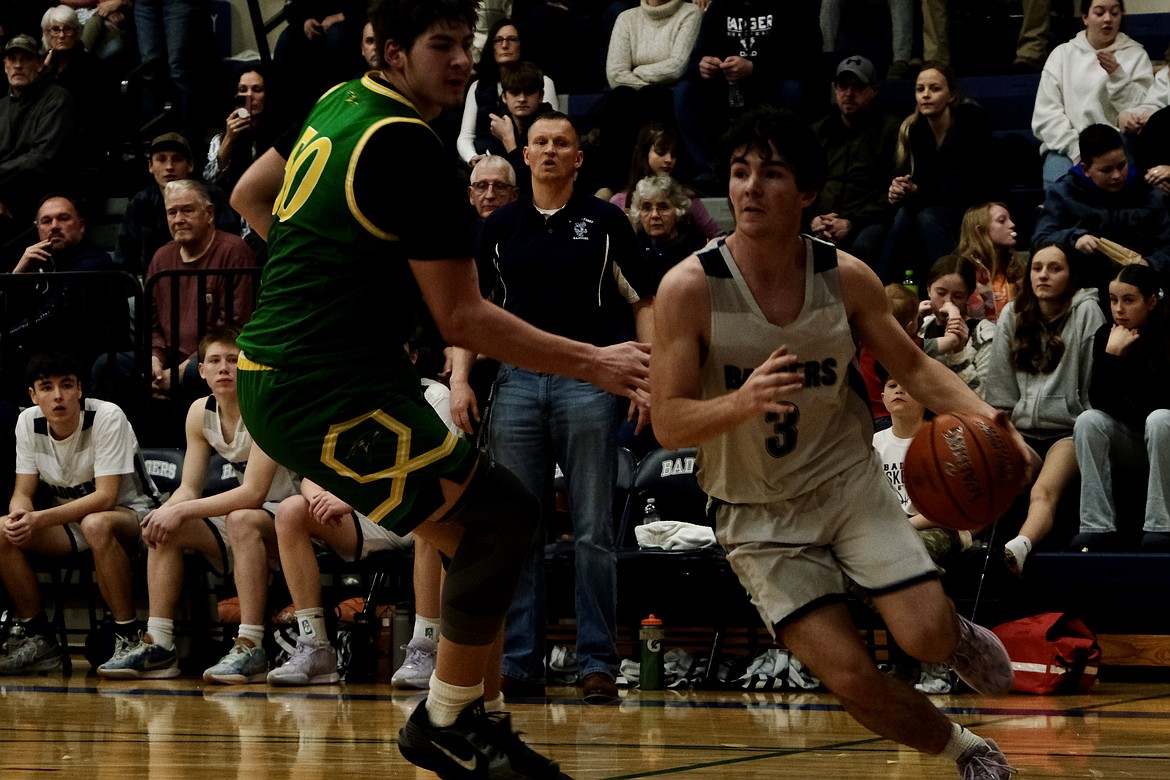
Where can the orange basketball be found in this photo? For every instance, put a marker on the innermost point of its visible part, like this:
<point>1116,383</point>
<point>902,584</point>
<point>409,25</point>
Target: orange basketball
<point>962,472</point>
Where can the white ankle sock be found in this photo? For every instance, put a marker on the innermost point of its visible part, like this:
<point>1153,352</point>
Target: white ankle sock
<point>1020,547</point>
<point>426,627</point>
<point>494,705</point>
<point>162,632</point>
<point>253,633</point>
<point>446,701</point>
<point>311,623</point>
<point>960,742</point>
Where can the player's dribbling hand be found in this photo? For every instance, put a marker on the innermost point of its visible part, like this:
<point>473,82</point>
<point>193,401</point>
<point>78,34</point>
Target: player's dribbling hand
<point>769,387</point>
<point>624,369</point>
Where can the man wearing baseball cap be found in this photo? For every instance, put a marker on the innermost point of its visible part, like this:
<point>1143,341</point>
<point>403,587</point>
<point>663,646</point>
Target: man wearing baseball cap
<point>859,140</point>
<point>37,136</point>
<point>144,225</point>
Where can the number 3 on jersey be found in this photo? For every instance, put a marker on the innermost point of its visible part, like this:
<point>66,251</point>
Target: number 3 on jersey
<point>316,153</point>
<point>783,440</point>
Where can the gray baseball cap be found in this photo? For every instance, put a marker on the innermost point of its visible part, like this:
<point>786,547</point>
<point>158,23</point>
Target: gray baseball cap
<point>859,67</point>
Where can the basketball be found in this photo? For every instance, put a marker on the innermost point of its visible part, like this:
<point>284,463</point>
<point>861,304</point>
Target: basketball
<point>962,472</point>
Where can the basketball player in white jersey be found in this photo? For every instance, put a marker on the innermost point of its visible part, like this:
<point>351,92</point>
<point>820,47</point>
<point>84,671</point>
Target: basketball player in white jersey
<point>83,452</point>
<point>755,363</point>
<point>233,530</point>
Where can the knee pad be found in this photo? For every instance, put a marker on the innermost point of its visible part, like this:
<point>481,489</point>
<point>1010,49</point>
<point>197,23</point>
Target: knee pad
<point>500,517</point>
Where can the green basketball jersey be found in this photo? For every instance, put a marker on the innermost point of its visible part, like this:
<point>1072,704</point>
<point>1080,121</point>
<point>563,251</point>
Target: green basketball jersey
<point>367,187</point>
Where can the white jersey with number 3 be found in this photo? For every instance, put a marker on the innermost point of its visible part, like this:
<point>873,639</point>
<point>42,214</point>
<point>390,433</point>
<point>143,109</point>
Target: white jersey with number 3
<point>778,457</point>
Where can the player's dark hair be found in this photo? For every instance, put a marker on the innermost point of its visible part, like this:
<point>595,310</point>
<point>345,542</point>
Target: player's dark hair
<point>523,77</point>
<point>44,365</point>
<point>770,131</point>
<point>403,21</point>
<point>953,264</point>
<point>218,334</point>
<point>1037,347</point>
<point>1097,140</point>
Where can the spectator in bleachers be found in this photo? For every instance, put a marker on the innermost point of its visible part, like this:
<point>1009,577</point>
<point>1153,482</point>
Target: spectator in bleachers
<point>1151,123</point>
<point>370,51</point>
<point>904,307</point>
<point>144,224</point>
<point>1031,45</point>
<point>485,95</point>
<point>948,334</point>
<point>493,184</point>
<point>946,165</point>
<point>489,12</point>
<point>249,131</point>
<point>83,453</point>
<point>1091,79</point>
<point>319,48</point>
<point>651,44</point>
<point>69,64</point>
<point>196,245</point>
<point>550,268</point>
<point>988,237</point>
<point>524,103</point>
<point>661,209</point>
<point>1128,428</point>
<point>656,154</point>
<point>901,27</point>
<point>744,57</point>
<point>1041,360</point>
<point>860,141</point>
<point>233,530</point>
<point>59,313</point>
<point>1104,198</point>
<point>38,136</point>
<point>175,44</point>
<point>103,26</point>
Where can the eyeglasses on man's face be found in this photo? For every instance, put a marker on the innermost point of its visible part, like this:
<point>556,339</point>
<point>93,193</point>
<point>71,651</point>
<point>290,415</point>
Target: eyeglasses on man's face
<point>502,188</point>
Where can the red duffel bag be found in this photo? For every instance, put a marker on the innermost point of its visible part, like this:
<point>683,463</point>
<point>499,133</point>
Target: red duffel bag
<point>1051,653</point>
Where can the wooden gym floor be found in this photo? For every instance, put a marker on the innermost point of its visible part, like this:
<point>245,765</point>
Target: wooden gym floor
<point>84,727</point>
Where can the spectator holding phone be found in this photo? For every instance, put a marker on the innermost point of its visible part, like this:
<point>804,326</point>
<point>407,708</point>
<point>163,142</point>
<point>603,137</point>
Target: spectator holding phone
<point>247,132</point>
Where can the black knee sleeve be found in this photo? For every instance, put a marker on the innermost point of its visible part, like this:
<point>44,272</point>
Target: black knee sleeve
<point>500,517</point>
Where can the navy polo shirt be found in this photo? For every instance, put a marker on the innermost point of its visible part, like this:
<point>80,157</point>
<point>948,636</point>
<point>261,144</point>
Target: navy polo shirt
<point>559,273</point>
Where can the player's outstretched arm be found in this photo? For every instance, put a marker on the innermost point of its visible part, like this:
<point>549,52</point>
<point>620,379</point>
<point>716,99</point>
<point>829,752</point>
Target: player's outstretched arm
<point>682,312</point>
<point>465,319</point>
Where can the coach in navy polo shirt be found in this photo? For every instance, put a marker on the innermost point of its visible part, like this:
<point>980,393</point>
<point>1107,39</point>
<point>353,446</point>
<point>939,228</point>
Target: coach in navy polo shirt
<point>568,263</point>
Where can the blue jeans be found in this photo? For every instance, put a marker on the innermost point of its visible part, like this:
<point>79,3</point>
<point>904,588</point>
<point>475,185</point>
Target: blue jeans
<point>917,238</point>
<point>171,33</point>
<point>1103,444</point>
<point>1055,166</point>
<point>538,420</point>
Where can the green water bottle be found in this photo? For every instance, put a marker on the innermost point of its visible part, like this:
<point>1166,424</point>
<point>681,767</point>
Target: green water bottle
<point>908,280</point>
<point>650,673</point>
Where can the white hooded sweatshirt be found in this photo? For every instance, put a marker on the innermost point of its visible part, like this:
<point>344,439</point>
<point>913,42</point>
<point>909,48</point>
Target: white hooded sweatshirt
<point>1075,91</point>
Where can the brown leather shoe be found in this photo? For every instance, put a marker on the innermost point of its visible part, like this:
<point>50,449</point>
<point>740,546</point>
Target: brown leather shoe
<point>514,688</point>
<point>598,688</point>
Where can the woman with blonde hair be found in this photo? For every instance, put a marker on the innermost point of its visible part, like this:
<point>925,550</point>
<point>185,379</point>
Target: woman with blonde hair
<point>945,166</point>
<point>988,237</point>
